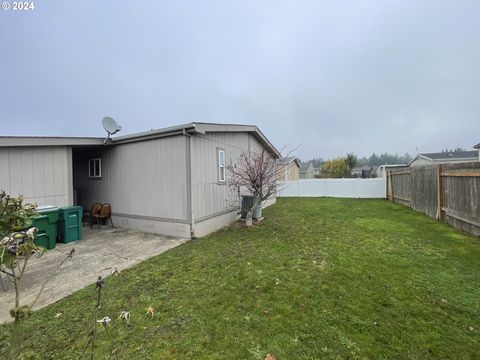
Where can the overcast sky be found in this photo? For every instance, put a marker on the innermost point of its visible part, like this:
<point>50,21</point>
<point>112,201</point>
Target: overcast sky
<point>335,76</point>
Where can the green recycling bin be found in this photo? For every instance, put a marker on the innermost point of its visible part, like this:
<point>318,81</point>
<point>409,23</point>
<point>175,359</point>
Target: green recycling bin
<point>46,223</point>
<point>70,224</point>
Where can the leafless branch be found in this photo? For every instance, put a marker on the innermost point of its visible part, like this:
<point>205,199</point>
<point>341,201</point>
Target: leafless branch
<point>257,173</point>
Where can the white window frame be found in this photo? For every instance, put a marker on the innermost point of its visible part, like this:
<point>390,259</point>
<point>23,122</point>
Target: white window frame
<point>221,166</point>
<point>95,175</point>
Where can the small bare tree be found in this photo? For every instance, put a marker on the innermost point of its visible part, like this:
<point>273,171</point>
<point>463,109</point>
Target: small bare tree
<point>255,172</point>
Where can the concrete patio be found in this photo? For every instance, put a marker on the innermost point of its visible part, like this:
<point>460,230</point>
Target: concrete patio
<point>98,253</point>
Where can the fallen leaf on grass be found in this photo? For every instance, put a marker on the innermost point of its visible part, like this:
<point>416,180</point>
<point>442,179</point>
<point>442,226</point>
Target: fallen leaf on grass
<point>270,357</point>
<point>150,311</point>
<point>57,315</point>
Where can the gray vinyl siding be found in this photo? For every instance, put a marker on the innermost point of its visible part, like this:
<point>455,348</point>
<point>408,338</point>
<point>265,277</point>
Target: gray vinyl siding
<point>41,174</point>
<point>209,197</point>
<point>146,179</point>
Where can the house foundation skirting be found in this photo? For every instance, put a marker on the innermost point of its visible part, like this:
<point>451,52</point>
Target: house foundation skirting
<point>215,223</point>
<point>169,227</point>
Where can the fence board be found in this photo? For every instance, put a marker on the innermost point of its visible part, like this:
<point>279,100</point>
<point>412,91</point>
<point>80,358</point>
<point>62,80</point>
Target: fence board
<point>401,187</point>
<point>424,190</point>
<point>450,192</point>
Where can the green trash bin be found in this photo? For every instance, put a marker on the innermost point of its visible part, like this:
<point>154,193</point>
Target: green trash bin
<point>46,223</point>
<point>70,224</point>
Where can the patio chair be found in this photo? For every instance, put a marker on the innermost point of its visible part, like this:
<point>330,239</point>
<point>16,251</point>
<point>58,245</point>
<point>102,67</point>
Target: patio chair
<point>104,215</point>
<point>89,216</point>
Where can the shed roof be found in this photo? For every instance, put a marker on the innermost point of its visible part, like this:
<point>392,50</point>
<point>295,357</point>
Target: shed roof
<point>288,160</point>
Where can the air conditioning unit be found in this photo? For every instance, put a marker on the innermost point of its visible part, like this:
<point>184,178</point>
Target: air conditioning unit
<point>247,204</point>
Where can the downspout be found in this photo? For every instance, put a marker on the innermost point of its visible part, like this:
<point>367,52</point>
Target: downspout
<point>188,158</point>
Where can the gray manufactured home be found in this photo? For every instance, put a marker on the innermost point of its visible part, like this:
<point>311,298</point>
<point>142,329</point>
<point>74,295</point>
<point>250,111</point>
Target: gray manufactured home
<point>170,181</point>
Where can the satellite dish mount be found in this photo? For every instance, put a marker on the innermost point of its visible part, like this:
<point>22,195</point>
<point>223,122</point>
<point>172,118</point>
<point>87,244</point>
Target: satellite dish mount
<point>110,126</point>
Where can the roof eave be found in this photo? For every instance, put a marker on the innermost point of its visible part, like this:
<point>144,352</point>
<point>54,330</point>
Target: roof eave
<point>17,141</point>
<point>213,127</point>
<point>456,159</point>
<point>153,134</point>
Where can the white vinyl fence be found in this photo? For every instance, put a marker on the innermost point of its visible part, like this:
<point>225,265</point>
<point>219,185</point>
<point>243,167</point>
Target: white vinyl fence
<point>341,188</point>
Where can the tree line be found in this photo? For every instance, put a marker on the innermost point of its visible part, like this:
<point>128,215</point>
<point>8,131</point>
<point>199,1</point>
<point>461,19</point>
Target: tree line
<point>342,166</point>
<point>372,160</point>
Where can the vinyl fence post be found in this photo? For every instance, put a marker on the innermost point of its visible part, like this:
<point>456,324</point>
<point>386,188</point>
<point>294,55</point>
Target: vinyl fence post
<point>439,192</point>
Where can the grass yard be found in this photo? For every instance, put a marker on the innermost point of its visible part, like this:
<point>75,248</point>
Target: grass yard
<point>320,278</point>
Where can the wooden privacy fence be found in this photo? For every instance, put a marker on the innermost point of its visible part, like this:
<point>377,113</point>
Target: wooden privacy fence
<point>447,192</point>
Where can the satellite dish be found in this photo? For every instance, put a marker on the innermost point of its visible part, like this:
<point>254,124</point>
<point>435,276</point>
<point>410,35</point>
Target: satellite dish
<point>110,126</point>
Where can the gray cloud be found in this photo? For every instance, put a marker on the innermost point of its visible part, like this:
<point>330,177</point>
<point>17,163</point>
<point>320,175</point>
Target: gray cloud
<point>338,77</point>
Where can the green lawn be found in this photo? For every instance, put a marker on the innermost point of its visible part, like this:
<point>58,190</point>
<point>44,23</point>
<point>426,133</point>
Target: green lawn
<point>320,278</point>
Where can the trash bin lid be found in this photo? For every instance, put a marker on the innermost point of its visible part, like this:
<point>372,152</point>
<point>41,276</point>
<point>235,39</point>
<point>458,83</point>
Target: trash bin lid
<point>42,208</point>
<point>74,207</point>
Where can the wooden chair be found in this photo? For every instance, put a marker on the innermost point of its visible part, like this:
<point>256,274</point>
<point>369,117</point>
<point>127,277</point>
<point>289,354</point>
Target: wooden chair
<point>104,215</point>
<point>89,216</point>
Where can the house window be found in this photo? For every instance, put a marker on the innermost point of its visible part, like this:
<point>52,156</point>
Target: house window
<point>95,168</point>
<point>221,165</point>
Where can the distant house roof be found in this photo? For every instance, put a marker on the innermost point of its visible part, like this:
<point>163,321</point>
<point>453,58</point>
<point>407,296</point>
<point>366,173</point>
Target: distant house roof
<point>362,168</point>
<point>446,156</point>
<point>477,146</point>
<point>288,160</point>
<point>305,167</point>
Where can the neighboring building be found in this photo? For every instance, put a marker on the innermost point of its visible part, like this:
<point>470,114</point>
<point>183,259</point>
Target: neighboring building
<point>364,171</point>
<point>382,169</point>
<point>307,171</point>
<point>444,157</point>
<point>170,181</point>
<point>288,169</point>
<point>317,172</point>
<point>478,149</point>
